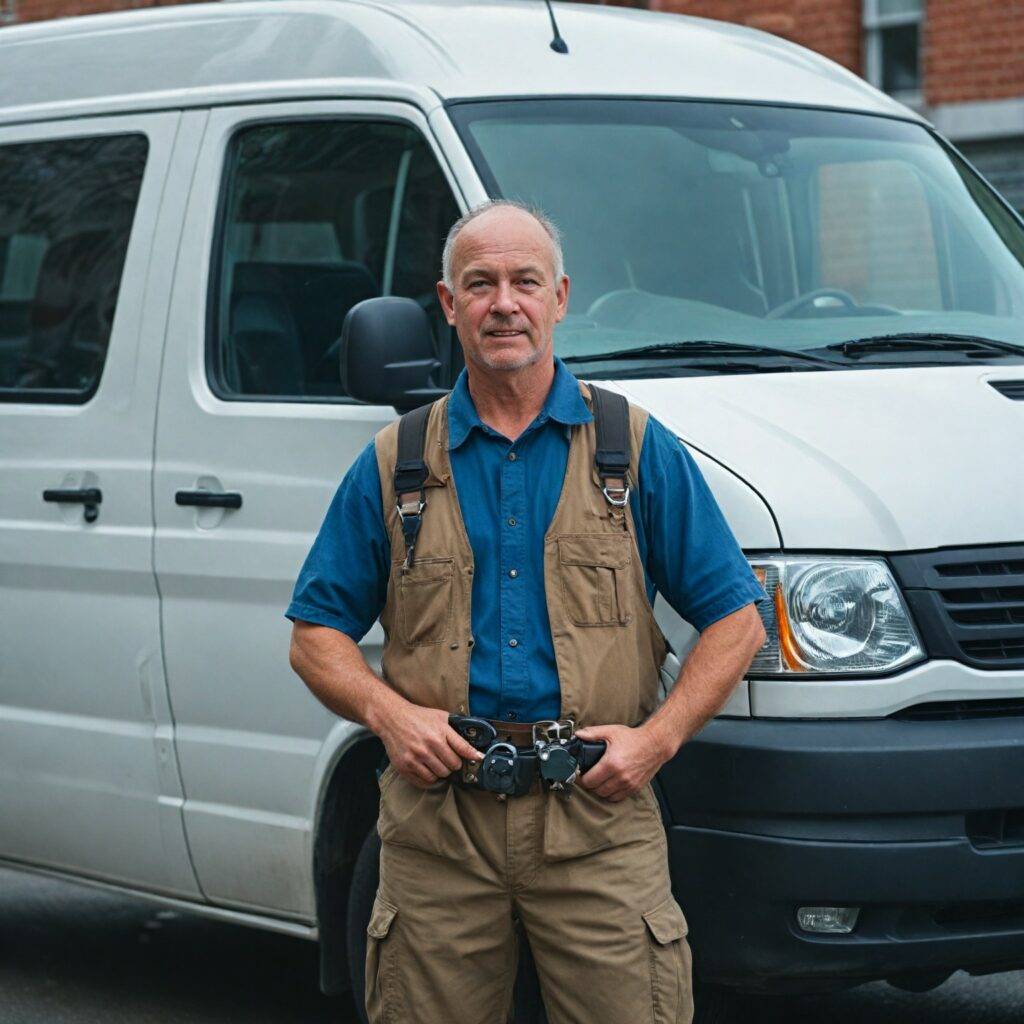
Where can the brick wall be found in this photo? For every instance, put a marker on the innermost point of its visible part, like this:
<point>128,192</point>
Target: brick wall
<point>972,50</point>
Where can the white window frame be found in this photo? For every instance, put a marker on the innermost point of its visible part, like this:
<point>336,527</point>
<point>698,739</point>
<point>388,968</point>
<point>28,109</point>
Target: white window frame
<point>873,23</point>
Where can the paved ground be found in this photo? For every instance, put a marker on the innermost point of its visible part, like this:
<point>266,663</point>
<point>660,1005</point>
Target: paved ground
<point>72,955</point>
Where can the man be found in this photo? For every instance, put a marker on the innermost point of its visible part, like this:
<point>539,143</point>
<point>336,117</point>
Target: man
<point>529,598</point>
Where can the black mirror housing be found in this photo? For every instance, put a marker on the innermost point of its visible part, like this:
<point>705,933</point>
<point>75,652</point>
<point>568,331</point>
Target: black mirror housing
<point>387,354</point>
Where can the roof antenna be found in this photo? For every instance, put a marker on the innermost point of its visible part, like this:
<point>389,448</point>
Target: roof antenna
<point>558,44</point>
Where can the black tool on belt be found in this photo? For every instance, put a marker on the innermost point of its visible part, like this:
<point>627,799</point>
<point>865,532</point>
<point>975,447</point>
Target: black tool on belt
<point>556,755</point>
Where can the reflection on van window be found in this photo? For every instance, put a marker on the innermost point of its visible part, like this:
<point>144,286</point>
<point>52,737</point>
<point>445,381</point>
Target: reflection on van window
<point>320,215</point>
<point>66,211</point>
<point>739,225</point>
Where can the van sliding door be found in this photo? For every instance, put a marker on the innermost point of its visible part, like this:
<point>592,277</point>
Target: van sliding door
<point>89,216</point>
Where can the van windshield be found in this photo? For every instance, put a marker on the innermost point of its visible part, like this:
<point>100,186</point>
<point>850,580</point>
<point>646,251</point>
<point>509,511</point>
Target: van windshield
<point>779,238</point>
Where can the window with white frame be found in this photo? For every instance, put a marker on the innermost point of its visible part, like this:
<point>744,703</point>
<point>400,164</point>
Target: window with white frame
<point>892,46</point>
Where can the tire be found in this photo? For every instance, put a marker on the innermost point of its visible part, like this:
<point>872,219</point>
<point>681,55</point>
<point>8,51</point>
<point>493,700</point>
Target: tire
<point>361,894</point>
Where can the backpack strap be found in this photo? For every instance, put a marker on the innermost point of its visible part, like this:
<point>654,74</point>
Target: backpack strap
<point>410,475</point>
<point>611,456</point>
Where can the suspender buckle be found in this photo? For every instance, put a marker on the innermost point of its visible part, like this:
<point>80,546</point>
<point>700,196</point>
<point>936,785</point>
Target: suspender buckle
<point>411,508</point>
<point>410,512</point>
<point>617,496</point>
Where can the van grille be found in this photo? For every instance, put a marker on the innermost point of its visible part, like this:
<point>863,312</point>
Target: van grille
<point>968,603</point>
<point>1013,389</point>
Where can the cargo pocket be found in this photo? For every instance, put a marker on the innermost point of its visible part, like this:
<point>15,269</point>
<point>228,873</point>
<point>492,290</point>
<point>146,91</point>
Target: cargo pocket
<point>670,963</point>
<point>424,597</point>
<point>594,569</point>
<point>379,978</point>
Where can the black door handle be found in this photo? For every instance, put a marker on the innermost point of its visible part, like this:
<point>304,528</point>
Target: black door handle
<point>90,497</point>
<point>209,499</point>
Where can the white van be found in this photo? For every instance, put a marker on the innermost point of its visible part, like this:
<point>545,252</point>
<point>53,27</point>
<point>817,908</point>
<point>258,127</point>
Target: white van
<point>793,272</point>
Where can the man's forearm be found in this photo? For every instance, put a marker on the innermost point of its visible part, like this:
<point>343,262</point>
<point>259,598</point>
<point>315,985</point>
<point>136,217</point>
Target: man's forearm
<point>332,666</point>
<point>708,677</point>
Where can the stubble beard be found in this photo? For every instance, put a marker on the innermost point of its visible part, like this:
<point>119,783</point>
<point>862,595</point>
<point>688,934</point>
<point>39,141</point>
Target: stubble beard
<point>502,362</point>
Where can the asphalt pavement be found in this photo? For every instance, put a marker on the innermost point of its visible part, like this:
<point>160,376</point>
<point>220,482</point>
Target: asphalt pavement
<point>75,955</point>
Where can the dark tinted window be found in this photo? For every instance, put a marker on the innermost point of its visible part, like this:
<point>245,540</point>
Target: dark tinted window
<point>318,216</point>
<point>66,211</point>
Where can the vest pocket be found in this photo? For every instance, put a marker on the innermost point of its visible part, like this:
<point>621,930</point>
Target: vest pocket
<point>424,595</point>
<point>594,569</point>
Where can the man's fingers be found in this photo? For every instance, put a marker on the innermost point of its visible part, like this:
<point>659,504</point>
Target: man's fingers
<point>435,765</point>
<point>451,760</point>
<point>598,775</point>
<point>417,774</point>
<point>462,746</point>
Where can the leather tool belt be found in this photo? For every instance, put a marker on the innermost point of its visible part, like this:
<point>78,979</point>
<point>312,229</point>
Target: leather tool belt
<point>514,756</point>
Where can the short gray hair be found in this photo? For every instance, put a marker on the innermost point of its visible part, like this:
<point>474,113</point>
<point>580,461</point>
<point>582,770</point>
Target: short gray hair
<point>497,204</point>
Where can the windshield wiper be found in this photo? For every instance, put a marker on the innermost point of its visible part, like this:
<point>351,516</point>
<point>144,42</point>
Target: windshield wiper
<point>924,342</point>
<point>673,349</point>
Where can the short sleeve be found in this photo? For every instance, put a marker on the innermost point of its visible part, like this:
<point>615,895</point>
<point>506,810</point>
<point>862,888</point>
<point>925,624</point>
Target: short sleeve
<point>343,581</point>
<point>691,555</point>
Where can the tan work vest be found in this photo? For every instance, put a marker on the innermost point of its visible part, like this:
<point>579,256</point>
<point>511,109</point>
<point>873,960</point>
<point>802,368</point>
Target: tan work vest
<point>608,647</point>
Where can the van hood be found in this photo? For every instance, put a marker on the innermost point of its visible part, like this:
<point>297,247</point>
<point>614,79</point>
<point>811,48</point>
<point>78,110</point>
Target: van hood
<point>871,460</point>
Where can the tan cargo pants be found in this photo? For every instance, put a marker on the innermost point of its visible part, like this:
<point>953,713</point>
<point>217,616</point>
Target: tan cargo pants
<point>587,878</point>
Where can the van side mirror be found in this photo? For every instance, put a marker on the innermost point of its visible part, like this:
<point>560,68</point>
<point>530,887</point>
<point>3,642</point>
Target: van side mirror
<point>387,354</point>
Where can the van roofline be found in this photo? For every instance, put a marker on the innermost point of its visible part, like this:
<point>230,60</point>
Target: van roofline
<point>423,51</point>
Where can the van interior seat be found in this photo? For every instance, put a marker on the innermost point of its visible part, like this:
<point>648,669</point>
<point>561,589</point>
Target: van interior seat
<point>73,291</point>
<point>264,355</point>
<point>317,297</point>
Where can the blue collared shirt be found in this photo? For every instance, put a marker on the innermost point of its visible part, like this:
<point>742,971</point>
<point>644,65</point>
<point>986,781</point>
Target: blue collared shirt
<point>508,492</point>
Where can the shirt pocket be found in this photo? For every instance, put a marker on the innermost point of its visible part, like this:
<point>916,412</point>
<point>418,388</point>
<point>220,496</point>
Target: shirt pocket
<point>594,570</point>
<point>424,597</point>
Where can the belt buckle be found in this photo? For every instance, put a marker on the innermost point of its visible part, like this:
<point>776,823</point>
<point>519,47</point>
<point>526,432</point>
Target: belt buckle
<point>552,731</point>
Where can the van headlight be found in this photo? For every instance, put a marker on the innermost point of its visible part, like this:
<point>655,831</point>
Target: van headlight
<point>829,615</point>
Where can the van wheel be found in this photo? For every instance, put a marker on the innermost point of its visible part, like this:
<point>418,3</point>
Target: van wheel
<point>361,894</point>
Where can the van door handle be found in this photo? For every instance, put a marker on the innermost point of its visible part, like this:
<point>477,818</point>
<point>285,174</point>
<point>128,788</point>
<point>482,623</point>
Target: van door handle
<point>209,499</point>
<point>90,497</point>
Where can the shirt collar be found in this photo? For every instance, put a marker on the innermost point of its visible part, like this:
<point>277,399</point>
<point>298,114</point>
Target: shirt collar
<point>564,403</point>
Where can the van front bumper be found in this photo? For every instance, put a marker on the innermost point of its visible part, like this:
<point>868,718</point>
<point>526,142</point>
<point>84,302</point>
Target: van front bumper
<point>920,824</point>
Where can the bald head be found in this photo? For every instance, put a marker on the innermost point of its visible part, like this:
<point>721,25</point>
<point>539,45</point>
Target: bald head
<point>504,289</point>
<point>499,218</point>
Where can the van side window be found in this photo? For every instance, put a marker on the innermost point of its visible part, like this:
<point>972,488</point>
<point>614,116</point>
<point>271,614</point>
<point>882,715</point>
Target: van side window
<point>66,211</point>
<point>317,216</point>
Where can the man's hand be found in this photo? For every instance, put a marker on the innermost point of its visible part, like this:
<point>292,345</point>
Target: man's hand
<point>421,744</point>
<point>630,761</point>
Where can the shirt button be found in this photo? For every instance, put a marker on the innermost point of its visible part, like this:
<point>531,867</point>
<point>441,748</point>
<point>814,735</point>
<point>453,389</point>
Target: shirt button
<point>513,573</point>
<point>512,456</point>
<point>511,521</point>
<point>513,642</point>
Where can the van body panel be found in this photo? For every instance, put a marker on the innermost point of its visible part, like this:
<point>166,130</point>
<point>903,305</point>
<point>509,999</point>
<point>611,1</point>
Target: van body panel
<point>251,739</point>
<point>452,49</point>
<point>85,723</point>
<point>845,470</point>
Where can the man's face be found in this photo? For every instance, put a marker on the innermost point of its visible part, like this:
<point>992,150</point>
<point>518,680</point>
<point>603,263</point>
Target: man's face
<point>505,301</point>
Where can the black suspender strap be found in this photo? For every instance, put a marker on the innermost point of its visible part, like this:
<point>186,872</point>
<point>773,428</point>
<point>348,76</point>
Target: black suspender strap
<point>611,422</point>
<point>410,476</point>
